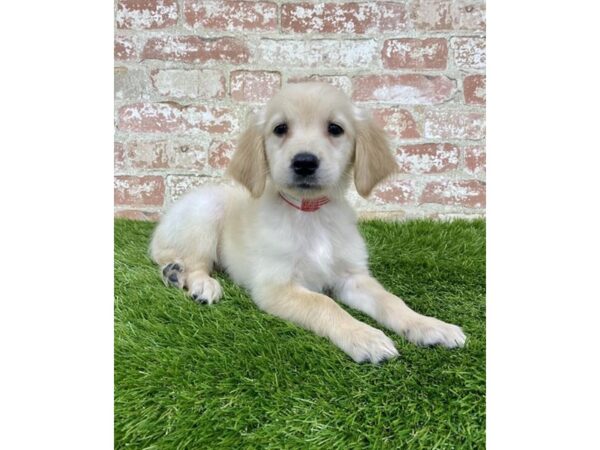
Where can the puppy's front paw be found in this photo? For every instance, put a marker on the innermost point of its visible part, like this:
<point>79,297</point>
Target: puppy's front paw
<point>366,343</point>
<point>429,331</point>
<point>205,290</point>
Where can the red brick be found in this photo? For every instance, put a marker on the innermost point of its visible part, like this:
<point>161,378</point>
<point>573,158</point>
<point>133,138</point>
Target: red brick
<point>318,53</point>
<point>219,155</point>
<point>196,49</point>
<point>397,122</point>
<point>396,192</point>
<point>169,117</point>
<point>193,84</point>
<point>231,15</point>
<point>395,16</point>
<point>125,49</point>
<point>440,124</point>
<point>475,160</point>
<point>448,15</point>
<point>343,83</point>
<point>254,86</point>
<point>467,193</point>
<point>404,89</point>
<point>138,214</point>
<point>146,14</point>
<point>119,156</point>
<point>427,158</point>
<point>474,89</point>
<point>355,18</point>
<point>469,52</point>
<point>410,53</point>
<point>139,191</point>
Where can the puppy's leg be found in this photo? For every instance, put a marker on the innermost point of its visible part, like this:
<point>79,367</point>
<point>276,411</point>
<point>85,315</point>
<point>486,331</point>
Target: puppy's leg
<point>363,292</point>
<point>184,244</point>
<point>323,316</point>
<point>192,273</point>
<point>201,286</point>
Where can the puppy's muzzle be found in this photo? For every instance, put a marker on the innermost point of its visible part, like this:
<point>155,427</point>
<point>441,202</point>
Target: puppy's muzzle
<point>305,164</point>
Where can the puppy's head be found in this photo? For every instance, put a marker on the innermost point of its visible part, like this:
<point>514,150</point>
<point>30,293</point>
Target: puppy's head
<point>306,141</point>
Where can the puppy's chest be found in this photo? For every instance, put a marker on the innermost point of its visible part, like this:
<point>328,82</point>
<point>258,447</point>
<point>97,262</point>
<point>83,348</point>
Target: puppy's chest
<point>311,251</point>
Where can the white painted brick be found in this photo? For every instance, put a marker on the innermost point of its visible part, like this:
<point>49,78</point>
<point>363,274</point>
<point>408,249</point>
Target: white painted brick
<point>326,53</point>
<point>193,84</point>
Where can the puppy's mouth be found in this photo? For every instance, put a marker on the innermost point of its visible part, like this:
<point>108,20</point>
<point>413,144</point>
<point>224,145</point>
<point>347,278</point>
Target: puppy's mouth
<point>306,183</point>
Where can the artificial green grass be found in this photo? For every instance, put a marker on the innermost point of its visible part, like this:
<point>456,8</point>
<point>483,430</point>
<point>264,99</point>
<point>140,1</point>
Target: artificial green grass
<point>230,376</point>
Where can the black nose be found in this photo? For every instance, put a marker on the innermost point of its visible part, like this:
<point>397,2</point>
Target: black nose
<point>305,164</point>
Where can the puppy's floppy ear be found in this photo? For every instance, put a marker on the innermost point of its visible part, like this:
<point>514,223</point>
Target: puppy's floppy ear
<point>248,165</point>
<point>373,160</point>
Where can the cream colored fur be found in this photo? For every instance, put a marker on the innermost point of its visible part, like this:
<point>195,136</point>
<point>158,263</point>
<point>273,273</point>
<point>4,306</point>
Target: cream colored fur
<point>288,258</point>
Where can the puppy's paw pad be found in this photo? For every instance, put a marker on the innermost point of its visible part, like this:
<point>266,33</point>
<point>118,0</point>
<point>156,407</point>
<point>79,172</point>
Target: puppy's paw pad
<point>172,275</point>
<point>432,331</point>
<point>206,291</point>
<point>368,344</point>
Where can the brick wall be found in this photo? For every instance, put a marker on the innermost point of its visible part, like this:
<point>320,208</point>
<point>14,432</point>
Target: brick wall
<point>187,73</point>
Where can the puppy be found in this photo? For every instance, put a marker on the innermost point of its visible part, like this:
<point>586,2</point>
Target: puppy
<point>287,234</point>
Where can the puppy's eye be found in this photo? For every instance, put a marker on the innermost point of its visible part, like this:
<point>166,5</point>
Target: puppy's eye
<point>334,129</point>
<point>280,129</point>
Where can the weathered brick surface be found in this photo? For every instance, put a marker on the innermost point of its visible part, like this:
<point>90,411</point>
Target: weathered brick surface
<point>455,124</point>
<point>172,117</point>
<point>146,155</point>
<point>231,15</point>
<point>395,192</point>
<point>469,52</point>
<point>146,14</point>
<point>131,84</point>
<point>427,158</point>
<point>474,89</point>
<point>188,73</point>
<point>410,53</point>
<point>119,156</point>
<point>254,86</point>
<point>125,48</point>
<point>404,89</point>
<point>219,155</point>
<point>475,160</point>
<point>196,49</point>
<point>468,193</point>
<point>356,18</point>
<point>397,122</point>
<point>188,157</point>
<point>448,15</point>
<point>139,190</point>
<point>152,156</point>
<point>318,53</point>
<point>186,83</point>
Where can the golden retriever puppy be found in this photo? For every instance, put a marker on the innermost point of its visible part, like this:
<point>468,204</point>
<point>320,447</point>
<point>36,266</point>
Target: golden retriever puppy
<point>287,233</point>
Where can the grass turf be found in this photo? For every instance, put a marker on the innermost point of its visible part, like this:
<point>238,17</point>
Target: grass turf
<point>230,376</point>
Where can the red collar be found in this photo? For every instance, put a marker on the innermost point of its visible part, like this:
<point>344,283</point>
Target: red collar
<point>304,204</point>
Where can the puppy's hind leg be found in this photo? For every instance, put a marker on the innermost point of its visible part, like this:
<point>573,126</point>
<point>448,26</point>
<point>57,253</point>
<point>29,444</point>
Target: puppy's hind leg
<point>193,276</point>
<point>184,245</point>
